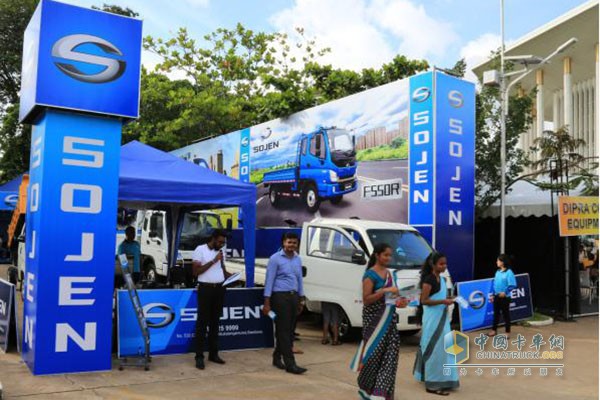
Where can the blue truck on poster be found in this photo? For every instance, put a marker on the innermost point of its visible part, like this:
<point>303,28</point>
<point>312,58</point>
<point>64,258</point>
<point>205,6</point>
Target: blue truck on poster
<point>325,170</point>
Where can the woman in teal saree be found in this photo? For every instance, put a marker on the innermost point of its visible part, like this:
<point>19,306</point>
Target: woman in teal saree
<point>377,357</point>
<point>431,355</point>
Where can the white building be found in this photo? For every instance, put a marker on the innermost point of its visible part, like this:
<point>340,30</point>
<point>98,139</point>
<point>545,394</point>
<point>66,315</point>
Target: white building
<point>574,72</point>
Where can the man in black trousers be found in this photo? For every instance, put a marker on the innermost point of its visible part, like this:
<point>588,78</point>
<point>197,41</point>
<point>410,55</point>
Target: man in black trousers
<point>209,266</point>
<point>284,293</point>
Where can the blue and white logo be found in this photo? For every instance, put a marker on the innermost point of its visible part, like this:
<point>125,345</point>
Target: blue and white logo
<point>477,299</point>
<point>158,315</point>
<point>421,94</point>
<point>80,59</point>
<point>66,48</point>
<point>456,99</point>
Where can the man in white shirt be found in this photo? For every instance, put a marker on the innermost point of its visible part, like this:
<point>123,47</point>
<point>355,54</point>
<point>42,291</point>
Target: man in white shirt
<point>209,266</point>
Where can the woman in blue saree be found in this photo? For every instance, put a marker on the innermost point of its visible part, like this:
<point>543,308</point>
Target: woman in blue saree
<point>431,355</point>
<point>377,357</point>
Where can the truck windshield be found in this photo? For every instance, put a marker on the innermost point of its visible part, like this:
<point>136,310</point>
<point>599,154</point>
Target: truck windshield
<point>196,230</point>
<point>340,140</point>
<point>409,249</point>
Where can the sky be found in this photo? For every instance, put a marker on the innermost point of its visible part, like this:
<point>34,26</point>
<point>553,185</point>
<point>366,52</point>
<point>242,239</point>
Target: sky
<point>361,33</point>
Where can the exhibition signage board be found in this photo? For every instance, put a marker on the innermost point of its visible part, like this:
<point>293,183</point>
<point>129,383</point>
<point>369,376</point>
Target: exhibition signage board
<point>578,215</point>
<point>80,59</point>
<point>402,152</point>
<point>75,59</point>
<point>8,321</point>
<point>480,313</point>
<point>171,318</point>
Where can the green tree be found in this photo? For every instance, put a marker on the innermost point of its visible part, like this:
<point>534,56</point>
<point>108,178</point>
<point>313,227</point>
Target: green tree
<point>487,138</point>
<point>112,8</point>
<point>237,78</point>
<point>559,157</point>
<point>15,139</point>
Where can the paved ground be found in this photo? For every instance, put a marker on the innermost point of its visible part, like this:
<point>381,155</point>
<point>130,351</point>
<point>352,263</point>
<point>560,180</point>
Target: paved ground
<point>249,375</point>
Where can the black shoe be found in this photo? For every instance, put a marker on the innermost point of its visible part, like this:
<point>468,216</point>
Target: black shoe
<point>278,363</point>
<point>200,363</point>
<point>296,370</point>
<point>216,359</point>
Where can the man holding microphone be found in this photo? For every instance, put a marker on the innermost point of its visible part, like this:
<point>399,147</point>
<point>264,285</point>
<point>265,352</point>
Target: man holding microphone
<point>209,266</point>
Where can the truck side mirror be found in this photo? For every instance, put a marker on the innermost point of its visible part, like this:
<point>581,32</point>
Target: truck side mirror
<point>353,141</point>
<point>229,225</point>
<point>358,257</point>
<point>318,143</point>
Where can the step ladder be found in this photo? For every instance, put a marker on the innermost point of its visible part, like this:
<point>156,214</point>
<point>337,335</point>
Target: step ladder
<point>141,359</point>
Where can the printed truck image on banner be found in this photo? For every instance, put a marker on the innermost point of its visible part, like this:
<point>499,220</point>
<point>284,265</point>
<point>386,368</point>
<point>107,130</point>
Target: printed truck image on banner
<point>402,152</point>
<point>171,318</point>
<point>480,313</point>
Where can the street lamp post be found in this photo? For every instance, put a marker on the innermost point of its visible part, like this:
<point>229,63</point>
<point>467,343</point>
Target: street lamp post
<point>503,114</point>
<point>493,78</point>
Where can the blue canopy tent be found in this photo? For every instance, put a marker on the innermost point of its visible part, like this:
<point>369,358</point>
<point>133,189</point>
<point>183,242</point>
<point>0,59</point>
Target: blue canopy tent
<point>9,193</point>
<point>13,185</point>
<point>154,180</point>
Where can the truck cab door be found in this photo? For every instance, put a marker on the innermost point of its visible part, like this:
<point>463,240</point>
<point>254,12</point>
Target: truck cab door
<point>316,152</point>
<point>154,240</point>
<point>335,265</point>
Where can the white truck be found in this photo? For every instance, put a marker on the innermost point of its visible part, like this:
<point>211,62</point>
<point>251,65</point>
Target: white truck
<point>151,232</point>
<point>334,255</point>
<point>196,230</point>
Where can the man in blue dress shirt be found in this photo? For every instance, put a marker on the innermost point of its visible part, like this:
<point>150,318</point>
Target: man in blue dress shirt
<point>285,295</point>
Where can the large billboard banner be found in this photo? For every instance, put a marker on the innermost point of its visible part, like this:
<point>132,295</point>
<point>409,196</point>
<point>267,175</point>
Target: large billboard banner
<point>402,152</point>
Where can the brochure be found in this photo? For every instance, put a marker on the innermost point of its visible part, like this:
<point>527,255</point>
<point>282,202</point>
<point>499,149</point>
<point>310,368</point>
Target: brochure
<point>233,278</point>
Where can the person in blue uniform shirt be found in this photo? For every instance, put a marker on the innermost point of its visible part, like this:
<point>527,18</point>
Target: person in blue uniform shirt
<point>284,294</point>
<point>131,248</point>
<point>504,283</point>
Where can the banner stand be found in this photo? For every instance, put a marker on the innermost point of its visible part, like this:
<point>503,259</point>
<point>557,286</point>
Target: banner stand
<point>9,336</point>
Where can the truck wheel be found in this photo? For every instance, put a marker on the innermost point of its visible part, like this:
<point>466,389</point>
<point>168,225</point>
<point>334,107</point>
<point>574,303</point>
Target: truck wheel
<point>345,329</point>
<point>274,197</point>
<point>150,271</point>
<point>336,199</point>
<point>311,198</point>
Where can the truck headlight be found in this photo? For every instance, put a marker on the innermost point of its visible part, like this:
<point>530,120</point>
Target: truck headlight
<point>333,176</point>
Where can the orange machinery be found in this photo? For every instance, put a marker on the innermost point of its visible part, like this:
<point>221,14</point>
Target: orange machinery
<point>18,216</point>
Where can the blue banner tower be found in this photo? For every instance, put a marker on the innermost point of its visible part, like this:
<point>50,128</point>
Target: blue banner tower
<point>442,166</point>
<point>80,82</point>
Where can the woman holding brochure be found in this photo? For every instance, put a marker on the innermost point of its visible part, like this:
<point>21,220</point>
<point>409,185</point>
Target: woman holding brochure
<point>377,355</point>
<point>431,355</point>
